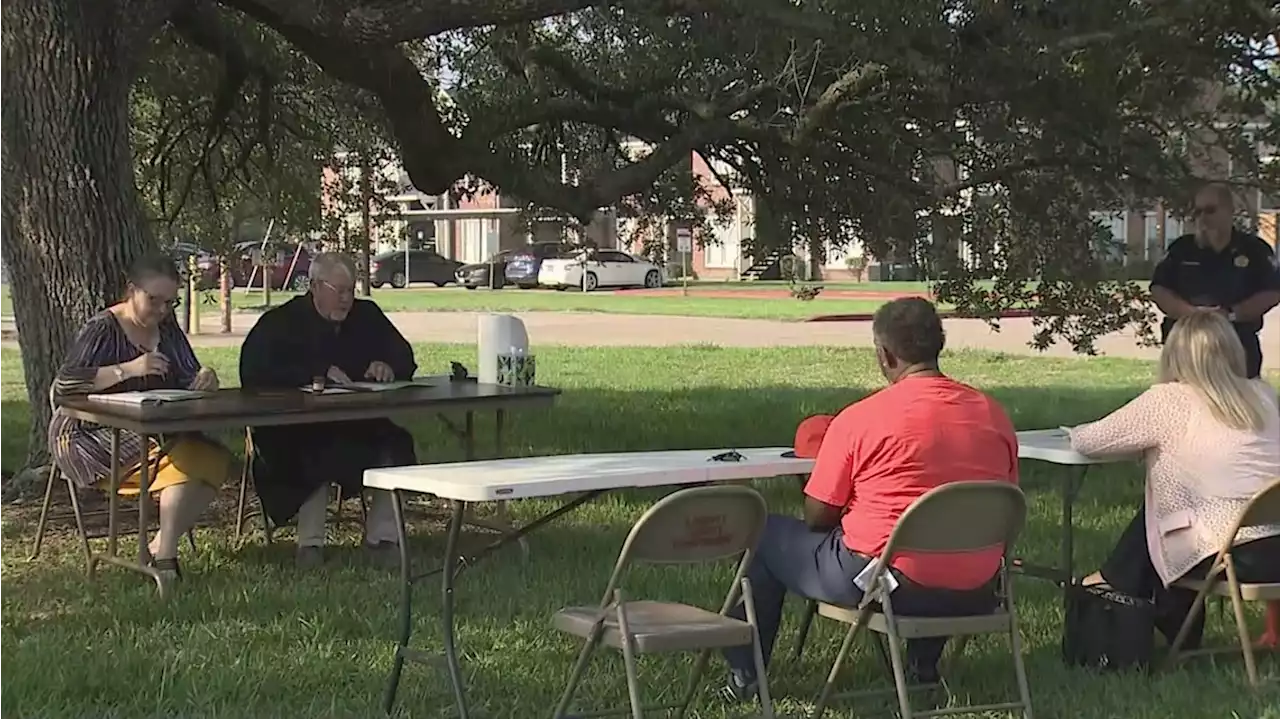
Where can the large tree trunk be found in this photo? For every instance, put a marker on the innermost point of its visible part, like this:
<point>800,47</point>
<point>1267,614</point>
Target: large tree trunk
<point>72,221</point>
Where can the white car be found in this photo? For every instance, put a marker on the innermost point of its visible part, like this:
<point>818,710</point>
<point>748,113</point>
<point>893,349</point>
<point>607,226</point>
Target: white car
<point>590,270</point>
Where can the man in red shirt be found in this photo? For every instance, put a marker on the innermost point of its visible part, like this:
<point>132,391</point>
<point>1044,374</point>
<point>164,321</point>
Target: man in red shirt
<point>877,457</point>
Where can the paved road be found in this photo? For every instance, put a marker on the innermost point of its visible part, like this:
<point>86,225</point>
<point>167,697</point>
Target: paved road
<point>584,329</point>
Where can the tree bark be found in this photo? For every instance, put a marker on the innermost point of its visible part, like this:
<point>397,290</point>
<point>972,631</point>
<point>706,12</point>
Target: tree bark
<point>366,234</point>
<point>224,294</point>
<point>71,216</point>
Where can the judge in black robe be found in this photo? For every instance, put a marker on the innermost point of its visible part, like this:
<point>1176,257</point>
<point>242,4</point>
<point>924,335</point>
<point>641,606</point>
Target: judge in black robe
<point>326,333</point>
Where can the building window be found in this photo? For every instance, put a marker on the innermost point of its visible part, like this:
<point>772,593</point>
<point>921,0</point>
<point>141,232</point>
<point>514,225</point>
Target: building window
<point>1116,223</point>
<point>725,252</point>
<point>1155,245</point>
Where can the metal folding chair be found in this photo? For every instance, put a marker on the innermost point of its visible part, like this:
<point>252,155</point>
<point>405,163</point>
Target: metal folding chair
<point>698,525</point>
<point>1221,581</point>
<point>956,517</point>
<point>55,474</point>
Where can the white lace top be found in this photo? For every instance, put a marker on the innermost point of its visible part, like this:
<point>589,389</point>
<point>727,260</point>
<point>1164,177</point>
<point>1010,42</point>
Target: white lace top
<point>1200,473</point>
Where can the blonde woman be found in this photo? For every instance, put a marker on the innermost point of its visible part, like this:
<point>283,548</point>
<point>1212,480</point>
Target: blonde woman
<point>1211,441</point>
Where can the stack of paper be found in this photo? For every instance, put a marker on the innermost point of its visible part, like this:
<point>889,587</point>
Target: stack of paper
<point>151,396</point>
<point>384,386</point>
<point>350,387</point>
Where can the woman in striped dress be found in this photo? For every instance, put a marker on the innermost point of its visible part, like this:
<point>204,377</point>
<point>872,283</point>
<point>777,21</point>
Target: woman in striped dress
<point>137,345</point>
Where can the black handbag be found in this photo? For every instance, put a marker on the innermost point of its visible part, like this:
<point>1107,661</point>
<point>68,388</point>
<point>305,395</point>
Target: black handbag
<point>1107,630</point>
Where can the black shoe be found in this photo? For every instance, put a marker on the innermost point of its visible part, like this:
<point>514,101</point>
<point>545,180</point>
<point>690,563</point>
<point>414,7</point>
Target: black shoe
<point>384,555</point>
<point>924,675</point>
<point>309,557</point>
<point>168,568</point>
<point>740,687</point>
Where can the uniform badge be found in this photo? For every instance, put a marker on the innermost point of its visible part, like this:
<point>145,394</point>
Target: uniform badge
<point>1242,261</point>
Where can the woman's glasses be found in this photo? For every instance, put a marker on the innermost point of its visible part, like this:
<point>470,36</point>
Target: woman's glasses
<point>167,303</point>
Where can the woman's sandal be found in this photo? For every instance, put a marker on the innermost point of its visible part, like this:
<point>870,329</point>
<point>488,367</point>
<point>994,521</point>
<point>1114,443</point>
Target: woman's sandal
<point>168,568</point>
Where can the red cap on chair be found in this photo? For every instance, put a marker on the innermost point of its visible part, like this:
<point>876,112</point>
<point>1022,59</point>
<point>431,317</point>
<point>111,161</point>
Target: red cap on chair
<point>809,434</point>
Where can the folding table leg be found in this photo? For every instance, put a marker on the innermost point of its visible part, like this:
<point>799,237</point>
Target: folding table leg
<point>113,497</point>
<point>500,523</point>
<point>142,562</point>
<point>406,604</point>
<point>144,501</point>
<point>446,609</point>
<point>1069,492</point>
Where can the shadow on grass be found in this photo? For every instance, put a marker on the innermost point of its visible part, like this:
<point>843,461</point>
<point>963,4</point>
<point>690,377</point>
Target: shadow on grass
<point>247,622</point>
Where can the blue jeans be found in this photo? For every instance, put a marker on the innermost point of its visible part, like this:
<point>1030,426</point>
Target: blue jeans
<point>790,557</point>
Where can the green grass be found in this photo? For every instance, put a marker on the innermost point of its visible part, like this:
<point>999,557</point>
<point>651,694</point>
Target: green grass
<point>249,636</point>
<point>516,300</point>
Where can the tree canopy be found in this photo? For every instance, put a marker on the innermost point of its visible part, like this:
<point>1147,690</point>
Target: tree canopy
<point>972,136</point>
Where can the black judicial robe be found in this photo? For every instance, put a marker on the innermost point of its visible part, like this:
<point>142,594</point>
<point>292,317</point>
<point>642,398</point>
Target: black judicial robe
<point>288,347</point>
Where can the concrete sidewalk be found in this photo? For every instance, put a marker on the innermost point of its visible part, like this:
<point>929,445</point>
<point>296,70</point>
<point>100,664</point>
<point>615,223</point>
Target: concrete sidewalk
<point>600,329</point>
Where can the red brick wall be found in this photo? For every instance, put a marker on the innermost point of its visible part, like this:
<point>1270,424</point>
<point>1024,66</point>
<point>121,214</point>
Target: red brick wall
<point>702,173</point>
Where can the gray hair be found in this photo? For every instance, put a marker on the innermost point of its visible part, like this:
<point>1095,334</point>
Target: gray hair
<point>324,264</point>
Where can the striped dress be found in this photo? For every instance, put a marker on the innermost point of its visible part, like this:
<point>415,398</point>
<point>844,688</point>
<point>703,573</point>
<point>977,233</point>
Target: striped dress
<point>82,450</point>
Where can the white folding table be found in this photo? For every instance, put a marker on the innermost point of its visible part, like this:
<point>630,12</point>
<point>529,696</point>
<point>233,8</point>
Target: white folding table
<point>586,475</point>
<point>1054,446</point>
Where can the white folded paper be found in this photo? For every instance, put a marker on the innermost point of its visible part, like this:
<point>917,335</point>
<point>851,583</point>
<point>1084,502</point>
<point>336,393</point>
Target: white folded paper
<point>887,583</point>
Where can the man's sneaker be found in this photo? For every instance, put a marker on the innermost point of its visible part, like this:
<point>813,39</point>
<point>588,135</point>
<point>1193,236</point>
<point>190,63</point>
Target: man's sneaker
<point>309,557</point>
<point>740,687</point>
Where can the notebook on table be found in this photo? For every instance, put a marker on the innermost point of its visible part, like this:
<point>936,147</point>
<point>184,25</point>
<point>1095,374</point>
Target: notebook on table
<point>148,397</point>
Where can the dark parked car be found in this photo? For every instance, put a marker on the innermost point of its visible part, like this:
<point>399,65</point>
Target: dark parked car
<point>288,267</point>
<point>421,266</point>
<point>524,264</point>
<point>477,275</point>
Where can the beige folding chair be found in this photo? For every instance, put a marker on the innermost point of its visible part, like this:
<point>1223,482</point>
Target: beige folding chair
<point>1221,581</point>
<point>956,517</point>
<point>698,525</point>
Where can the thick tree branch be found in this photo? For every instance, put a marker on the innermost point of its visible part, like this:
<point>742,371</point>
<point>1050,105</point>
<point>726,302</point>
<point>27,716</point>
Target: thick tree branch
<point>387,22</point>
<point>199,23</point>
<point>851,84</point>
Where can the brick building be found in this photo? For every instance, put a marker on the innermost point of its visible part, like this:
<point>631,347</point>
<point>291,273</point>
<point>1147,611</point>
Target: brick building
<point>1143,232</point>
<point>470,229</point>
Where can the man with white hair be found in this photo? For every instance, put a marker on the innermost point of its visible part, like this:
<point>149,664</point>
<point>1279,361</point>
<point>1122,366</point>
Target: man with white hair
<point>326,336</point>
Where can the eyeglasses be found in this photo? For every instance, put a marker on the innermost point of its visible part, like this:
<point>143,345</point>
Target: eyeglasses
<point>1204,210</point>
<point>155,301</point>
<point>339,291</point>
<point>732,455</point>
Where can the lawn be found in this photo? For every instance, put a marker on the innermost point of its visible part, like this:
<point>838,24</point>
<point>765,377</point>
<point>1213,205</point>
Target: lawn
<point>249,636</point>
<point>632,303</point>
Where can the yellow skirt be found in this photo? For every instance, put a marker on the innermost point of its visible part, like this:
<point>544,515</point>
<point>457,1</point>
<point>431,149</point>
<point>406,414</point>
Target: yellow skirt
<point>188,459</point>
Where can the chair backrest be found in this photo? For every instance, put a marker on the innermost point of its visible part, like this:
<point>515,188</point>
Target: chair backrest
<point>1263,509</point>
<point>701,524</point>
<point>961,517</point>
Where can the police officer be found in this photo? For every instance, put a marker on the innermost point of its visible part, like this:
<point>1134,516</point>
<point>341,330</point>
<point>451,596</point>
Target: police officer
<point>1222,268</point>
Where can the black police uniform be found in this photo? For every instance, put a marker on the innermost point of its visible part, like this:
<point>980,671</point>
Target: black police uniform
<point>1207,278</point>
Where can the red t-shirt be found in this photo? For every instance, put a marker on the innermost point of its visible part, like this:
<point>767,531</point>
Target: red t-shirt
<point>884,452</point>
